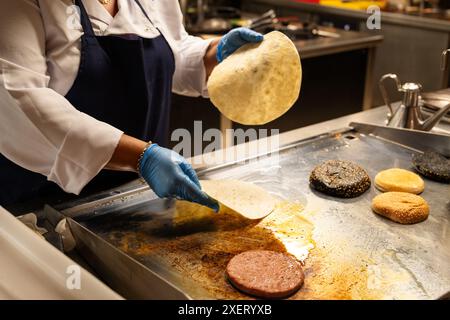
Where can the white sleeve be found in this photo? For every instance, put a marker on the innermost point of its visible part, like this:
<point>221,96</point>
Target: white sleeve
<point>39,129</point>
<point>190,75</point>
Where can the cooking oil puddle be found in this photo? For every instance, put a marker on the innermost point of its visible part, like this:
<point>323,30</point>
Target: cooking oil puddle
<point>292,228</point>
<point>286,229</point>
<point>287,223</point>
<point>197,243</point>
<point>338,271</point>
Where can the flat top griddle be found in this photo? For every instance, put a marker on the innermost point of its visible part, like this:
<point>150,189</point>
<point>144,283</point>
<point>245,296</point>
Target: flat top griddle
<point>353,253</point>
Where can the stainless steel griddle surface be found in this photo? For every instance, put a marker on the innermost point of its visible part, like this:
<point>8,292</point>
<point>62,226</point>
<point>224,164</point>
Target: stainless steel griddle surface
<point>356,254</point>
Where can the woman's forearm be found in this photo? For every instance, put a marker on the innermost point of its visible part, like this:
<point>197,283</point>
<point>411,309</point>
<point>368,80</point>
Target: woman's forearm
<point>126,155</point>
<point>129,149</point>
<point>210,59</point>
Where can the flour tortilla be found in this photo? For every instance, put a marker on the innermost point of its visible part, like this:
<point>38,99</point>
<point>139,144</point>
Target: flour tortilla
<point>247,199</point>
<point>259,82</point>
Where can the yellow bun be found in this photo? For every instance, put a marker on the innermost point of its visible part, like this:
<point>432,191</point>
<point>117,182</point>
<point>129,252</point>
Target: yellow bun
<point>401,207</point>
<point>396,179</point>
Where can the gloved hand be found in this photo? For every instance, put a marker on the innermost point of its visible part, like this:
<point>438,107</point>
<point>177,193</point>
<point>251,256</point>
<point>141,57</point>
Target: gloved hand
<point>235,39</point>
<point>169,175</point>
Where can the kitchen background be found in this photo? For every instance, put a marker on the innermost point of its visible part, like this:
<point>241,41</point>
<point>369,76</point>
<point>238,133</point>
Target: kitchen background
<point>342,59</point>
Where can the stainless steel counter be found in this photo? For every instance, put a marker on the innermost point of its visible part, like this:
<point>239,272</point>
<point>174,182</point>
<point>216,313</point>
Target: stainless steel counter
<point>344,41</point>
<point>391,17</point>
<point>339,41</point>
<point>375,116</point>
<point>357,254</point>
<point>133,238</point>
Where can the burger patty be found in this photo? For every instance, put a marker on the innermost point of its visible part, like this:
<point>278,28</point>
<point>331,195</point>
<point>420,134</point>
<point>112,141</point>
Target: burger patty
<point>432,165</point>
<point>265,274</point>
<point>340,178</point>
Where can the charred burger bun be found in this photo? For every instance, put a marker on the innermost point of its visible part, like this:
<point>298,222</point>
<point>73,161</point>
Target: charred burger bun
<point>432,165</point>
<point>340,178</point>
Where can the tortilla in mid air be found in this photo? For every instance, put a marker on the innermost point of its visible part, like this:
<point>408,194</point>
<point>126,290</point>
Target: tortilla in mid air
<point>259,82</point>
<point>247,199</point>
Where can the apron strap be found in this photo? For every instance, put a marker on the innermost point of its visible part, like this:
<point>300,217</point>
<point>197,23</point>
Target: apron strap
<point>84,19</point>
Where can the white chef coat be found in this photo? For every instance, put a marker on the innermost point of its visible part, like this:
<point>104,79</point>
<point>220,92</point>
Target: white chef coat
<point>39,61</point>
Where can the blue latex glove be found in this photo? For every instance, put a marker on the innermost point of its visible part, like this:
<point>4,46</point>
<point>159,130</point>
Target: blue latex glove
<point>235,39</point>
<point>169,175</point>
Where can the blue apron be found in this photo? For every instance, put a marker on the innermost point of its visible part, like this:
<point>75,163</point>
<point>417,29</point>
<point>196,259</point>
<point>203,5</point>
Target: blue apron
<point>125,81</point>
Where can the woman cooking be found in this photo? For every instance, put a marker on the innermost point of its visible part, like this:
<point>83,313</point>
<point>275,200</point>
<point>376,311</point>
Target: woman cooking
<point>93,93</point>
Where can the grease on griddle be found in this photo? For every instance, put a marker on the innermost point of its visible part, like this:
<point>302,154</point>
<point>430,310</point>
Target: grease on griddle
<point>340,178</point>
<point>197,244</point>
<point>432,165</point>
